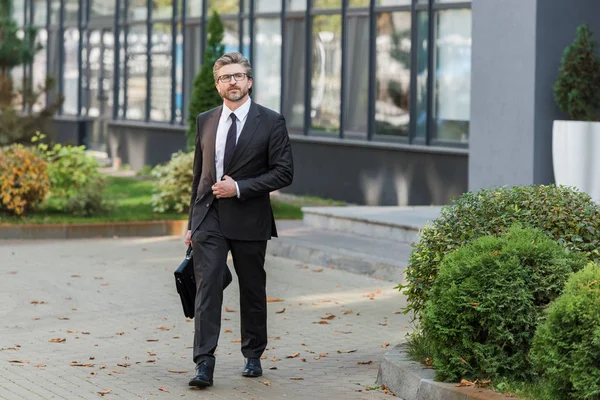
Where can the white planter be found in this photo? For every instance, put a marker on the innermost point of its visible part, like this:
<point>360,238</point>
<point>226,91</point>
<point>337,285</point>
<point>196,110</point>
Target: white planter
<point>576,155</point>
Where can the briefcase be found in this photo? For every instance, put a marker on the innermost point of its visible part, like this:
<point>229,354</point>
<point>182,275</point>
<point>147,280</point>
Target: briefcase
<point>185,282</point>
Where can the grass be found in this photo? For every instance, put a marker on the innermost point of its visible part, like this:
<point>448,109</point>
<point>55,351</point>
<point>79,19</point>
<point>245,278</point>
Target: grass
<point>133,202</point>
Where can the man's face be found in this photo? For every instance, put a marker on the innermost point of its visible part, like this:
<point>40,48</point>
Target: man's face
<point>233,90</point>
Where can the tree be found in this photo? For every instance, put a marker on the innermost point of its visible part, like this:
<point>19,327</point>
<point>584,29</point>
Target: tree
<point>18,122</point>
<point>577,89</point>
<point>205,95</point>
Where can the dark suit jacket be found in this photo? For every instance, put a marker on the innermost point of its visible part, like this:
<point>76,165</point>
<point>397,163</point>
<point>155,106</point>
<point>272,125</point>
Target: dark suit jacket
<point>261,163</point>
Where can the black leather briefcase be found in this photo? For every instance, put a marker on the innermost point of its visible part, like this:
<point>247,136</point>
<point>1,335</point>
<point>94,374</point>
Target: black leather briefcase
<point>185,281</point>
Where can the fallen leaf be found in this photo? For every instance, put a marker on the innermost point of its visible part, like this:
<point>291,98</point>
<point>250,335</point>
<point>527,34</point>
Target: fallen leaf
<point>174,371</point>
<point>397,312</point>
<point>475,304</point>
<point>98,277</point>
<point>104,392</point>
<point>39,365</point>
<point>303,359</point>
<point>19,361</point>
<point>267,383</point>
<point>280,311</point>
<point>317,270</point>
<point>344,332</point>
<point>295,378</point>
<point>321,323</point>
<point>263,357</point>
<point>63,318</point>
<point>348,351</point>
<point>36,319</point>
<point>227,331</point>
<point>57,340</point>
<point>274,359</point>
<point>364,363</point>
<point>274,300</point>
<point>385,344</point>
<point>293,355</point>
<point>124,365</point>
<point>75,276</point>
<point>272,367</point>
<point>163,328</point>
<point>162,389</point>
<point>76,364</point>
<point>114,371</point>
<point>150,361</point>
<point>93,373</point>
<point>175,337</point>
<point>105,284</point>
<point>236,341</point>
<point>151,354</point>
<point>12,272</point>
<point>329,317</point>
<point>151,340</point>
<point>37,302</point>
<point>464,382</point>
<point>120,333</point>
<point>70,331</point>
<point>92,358</point>
<point>345,312</point>
<point>227,309</point>
<point>84,333</point>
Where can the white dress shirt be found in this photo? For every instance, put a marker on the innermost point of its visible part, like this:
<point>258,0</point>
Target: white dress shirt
<point>224,124</point>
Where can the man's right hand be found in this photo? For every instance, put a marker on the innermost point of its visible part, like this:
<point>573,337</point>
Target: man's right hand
<point>188,238</point>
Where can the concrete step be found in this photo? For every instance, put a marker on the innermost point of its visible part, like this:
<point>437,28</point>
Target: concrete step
<point>388,222</point>
<point>379,258</point>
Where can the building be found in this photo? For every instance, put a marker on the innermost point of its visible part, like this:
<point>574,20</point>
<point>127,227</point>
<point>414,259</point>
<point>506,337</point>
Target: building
<point>389,102</point>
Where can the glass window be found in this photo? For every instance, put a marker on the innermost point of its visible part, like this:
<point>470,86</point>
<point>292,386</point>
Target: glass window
<point>224,6</point>
<point>179,76</point>
<point>392,94</point>
<point>395,2</point>
<point>422,73</point>
<point>103,8</point>
<point>246,39</point>
<point>359,3</point>
<point>138,10</point>
<point>192,62</point>
<point>327,4</point>
<point>294,59</point>
<point>296,5</point>
<point>54,11</point>
<point>39,67</point>
<point>40,12</point>
<point>326,78</point>
<point>71,11</point>
<point>453,75</point>
<point>71,71</point>
<point>356,97</point>
<point>231,36</point>
<point>18,11</point>
<point>267,5</point>
<point>161,83</point>
<point>162,9</point>
<point>54,44</point>
<point>194,8</point>
<point>267,66</point>
<point>136,72</point>
<point>122,75</point>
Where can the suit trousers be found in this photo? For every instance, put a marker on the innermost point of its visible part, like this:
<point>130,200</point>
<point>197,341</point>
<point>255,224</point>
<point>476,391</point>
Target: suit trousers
<point>210,260</point>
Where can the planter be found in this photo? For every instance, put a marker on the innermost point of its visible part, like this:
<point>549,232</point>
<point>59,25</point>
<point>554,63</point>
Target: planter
<point>576,155</point>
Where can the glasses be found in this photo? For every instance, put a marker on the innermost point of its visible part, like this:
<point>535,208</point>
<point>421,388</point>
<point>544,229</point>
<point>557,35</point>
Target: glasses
<point>240,76</point>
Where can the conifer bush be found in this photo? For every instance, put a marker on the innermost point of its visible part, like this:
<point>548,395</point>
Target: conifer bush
<point>565,214</point>
<point>566,347</point>
<point>487,301</point>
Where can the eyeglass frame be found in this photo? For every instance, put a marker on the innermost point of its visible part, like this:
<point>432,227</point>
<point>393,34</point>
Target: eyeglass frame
<point>245,75</point>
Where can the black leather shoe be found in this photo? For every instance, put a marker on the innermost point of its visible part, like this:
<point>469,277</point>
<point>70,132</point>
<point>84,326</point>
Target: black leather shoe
<point>204,375</point>
<point>252,368</point>
<point>228,277</point>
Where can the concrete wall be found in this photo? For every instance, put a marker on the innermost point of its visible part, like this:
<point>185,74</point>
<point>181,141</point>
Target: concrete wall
<point>517,46</point>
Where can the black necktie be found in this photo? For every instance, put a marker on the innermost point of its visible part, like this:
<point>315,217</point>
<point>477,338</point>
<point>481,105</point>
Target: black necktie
<point>230,144</point>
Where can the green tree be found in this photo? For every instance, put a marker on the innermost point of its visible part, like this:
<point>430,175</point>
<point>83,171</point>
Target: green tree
<point>577,89</point>
<point>18,123</point>
<point>205,95</point>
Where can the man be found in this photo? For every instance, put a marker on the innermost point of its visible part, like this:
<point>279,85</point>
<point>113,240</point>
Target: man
<point>242,154</point>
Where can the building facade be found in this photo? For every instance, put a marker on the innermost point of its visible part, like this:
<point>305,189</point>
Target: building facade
<point>376,93</point>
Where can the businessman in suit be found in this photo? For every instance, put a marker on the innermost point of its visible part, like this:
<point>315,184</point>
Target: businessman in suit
<point>242,154</point>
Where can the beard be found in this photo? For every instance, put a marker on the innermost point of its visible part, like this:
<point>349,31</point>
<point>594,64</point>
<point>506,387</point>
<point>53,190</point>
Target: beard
<point>234,95</point>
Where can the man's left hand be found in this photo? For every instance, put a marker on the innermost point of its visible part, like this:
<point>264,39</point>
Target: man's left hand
<point>225,188</point>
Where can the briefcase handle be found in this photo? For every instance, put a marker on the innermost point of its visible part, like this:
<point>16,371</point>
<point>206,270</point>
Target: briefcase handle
<point>188,253</point>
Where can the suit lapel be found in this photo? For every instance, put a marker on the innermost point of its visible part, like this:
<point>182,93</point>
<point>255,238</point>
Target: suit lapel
<point>246,135</point>
<point>210,133</point>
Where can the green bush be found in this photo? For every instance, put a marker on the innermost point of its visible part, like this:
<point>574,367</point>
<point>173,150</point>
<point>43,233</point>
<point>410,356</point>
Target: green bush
<point>566,347</point>
<point>577,88</point>
<point>24,182</point>
<point>565,214</point>
<point>487,301</point>
<point>89,201</point>
<point>174,185</point>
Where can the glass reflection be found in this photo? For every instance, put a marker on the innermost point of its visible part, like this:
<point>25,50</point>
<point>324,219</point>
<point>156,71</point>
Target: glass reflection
<point>136,72</point>
<point>267,64</point>
<point>71,70</point>
<point>161,83</point>
<point>294,57</point>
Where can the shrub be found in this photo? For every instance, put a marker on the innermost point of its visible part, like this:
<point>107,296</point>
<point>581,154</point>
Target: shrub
<point>565,214</point>
<point>24,179</point>
<point>577,88</point>
<point>566,347</point>
<point>89,201</point>
<point>487,301</point>
<point>174,185</point>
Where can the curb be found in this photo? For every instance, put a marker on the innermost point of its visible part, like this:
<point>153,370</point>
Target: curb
<point>91,230</point>
<point>408,380</point>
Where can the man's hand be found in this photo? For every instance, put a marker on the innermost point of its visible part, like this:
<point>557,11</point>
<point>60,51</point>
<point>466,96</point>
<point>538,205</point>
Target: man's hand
<point>188,238</point>
<point>225,188</point>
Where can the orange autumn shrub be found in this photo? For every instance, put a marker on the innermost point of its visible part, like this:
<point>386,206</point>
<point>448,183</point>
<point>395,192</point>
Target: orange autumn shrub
<point>24,181</point>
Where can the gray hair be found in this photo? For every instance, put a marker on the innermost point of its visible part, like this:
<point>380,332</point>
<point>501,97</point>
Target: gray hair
<point>232,58</point>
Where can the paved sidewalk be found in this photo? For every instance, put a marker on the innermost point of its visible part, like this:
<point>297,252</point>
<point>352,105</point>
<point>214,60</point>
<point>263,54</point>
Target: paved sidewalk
<point>112,306</point>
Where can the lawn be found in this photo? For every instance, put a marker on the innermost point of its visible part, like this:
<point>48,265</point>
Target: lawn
<point>133,200</point>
